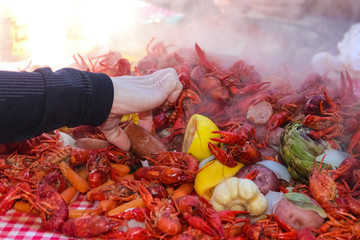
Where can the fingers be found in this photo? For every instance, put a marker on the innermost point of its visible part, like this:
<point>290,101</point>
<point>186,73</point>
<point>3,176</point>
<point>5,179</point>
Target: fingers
<point>114,134</point>
<point>146,120</point>
<point>172,84</point>
<point>119,138</point>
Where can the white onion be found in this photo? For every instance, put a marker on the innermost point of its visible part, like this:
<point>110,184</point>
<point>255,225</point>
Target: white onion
<point>144,163</point>
<point>205,161</point>
<point>333,157</point>
<point>279,169</point>
<point>133,223</point>
<point>67,140</point>
<point>273,198</point>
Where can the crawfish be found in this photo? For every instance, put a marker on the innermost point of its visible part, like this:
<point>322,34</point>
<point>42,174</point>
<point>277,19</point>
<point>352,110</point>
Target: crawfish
<point>171,168</point>
<point>172,124</point>
<point>163,217</point>
<point>200,214</point>
<point>55,179</point>
<point>324,190</point>
<point>139,214</point>
<point>275,121</point>
<point>211,82</point>
<point>52,207</point>
<point>18,191</point>
<point>327,126</point>
<point>88,226</point>
<point>126,190</point>
<point>98,167</point>
<point>16,164</point>
<point>339,229</point>
<point>176,159</point>
<point>54,211</point>
<point>232,155</point>
<point>135,233</point>
<point>237,134</point>
<point>25,147</point>
<point>165,175</point>
<point>269,228</point>
<point>238,149</point>
<point>111,64</point>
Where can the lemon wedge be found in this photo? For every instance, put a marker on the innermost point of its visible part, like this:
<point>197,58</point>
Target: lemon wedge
<point>197,135</point>
<point>133,117</point>
<point>211,175</point>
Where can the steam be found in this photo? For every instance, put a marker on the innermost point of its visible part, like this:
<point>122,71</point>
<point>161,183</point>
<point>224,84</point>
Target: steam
<point>273,45</point>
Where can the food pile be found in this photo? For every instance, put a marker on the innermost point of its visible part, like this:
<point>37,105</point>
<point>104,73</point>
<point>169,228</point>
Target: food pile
<point>237,157</point>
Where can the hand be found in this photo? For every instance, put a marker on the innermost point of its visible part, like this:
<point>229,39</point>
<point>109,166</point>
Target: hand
<point>290,9</point>
<point>140,95</point>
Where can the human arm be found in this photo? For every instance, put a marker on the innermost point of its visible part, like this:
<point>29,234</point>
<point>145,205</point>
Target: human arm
<point>41,101</point>
<point>35,102</point>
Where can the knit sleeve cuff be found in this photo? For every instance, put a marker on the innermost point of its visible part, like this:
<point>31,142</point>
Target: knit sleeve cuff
<point>102,99</point>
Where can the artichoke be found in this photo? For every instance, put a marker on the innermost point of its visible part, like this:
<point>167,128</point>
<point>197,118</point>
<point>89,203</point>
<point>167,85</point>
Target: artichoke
<point>299,151</point>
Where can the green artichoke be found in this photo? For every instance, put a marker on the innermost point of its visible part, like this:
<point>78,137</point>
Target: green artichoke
<point>299,151</point>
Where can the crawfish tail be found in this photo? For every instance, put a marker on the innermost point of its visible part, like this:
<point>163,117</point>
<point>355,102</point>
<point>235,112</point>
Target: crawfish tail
<point>88,226</point>
<point>55,210</point>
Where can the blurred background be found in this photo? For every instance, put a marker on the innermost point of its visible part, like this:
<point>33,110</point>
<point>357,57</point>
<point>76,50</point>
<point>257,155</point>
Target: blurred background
<point>48,33</point>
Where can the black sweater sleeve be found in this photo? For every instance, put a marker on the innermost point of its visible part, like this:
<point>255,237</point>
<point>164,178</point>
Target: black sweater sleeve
<point>35,102</point>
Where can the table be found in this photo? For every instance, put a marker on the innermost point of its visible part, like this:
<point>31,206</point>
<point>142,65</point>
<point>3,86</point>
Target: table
<point>16,225</point>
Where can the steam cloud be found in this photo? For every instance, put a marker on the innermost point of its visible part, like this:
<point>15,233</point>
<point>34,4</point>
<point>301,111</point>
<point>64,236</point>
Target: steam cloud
<point>275,46</point>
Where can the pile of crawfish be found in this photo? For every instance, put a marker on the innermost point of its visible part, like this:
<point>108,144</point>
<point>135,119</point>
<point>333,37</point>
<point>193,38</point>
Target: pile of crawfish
<point>250,112</point>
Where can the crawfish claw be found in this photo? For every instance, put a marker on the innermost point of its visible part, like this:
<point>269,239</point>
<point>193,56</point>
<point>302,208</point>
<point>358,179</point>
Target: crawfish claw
<point>227,137</point>
<point>221,156</point>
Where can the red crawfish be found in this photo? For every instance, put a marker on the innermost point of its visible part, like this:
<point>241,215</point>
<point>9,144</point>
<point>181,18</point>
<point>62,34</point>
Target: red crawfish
<point>200,214</point>
<point>25,147</point>
<point>344,228</point>
<point>162,220</point>
<point>211,82</point>
<point>135,233</point>
<point>222,84</point>
<point>55,153</point>
<point>126,190</point>
<point>269,228</point>
<point>329,124</point>
<point>172,122</point>
<point>88,226</point>
<point>17,165</point>
<point>52,207</point>
<point>157,57</point>
<point>275,121</point>
<point>139,214</point>
<point>19,191</point>
<point>323,189</point>
<point>55,179</point>
<point>238,148</point>
<point>98,168</point>
<point>111,64</point>
<point>171,168</point>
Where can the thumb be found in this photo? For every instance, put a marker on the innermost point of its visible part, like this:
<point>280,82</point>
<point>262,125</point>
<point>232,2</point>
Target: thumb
<point>115,135</point>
